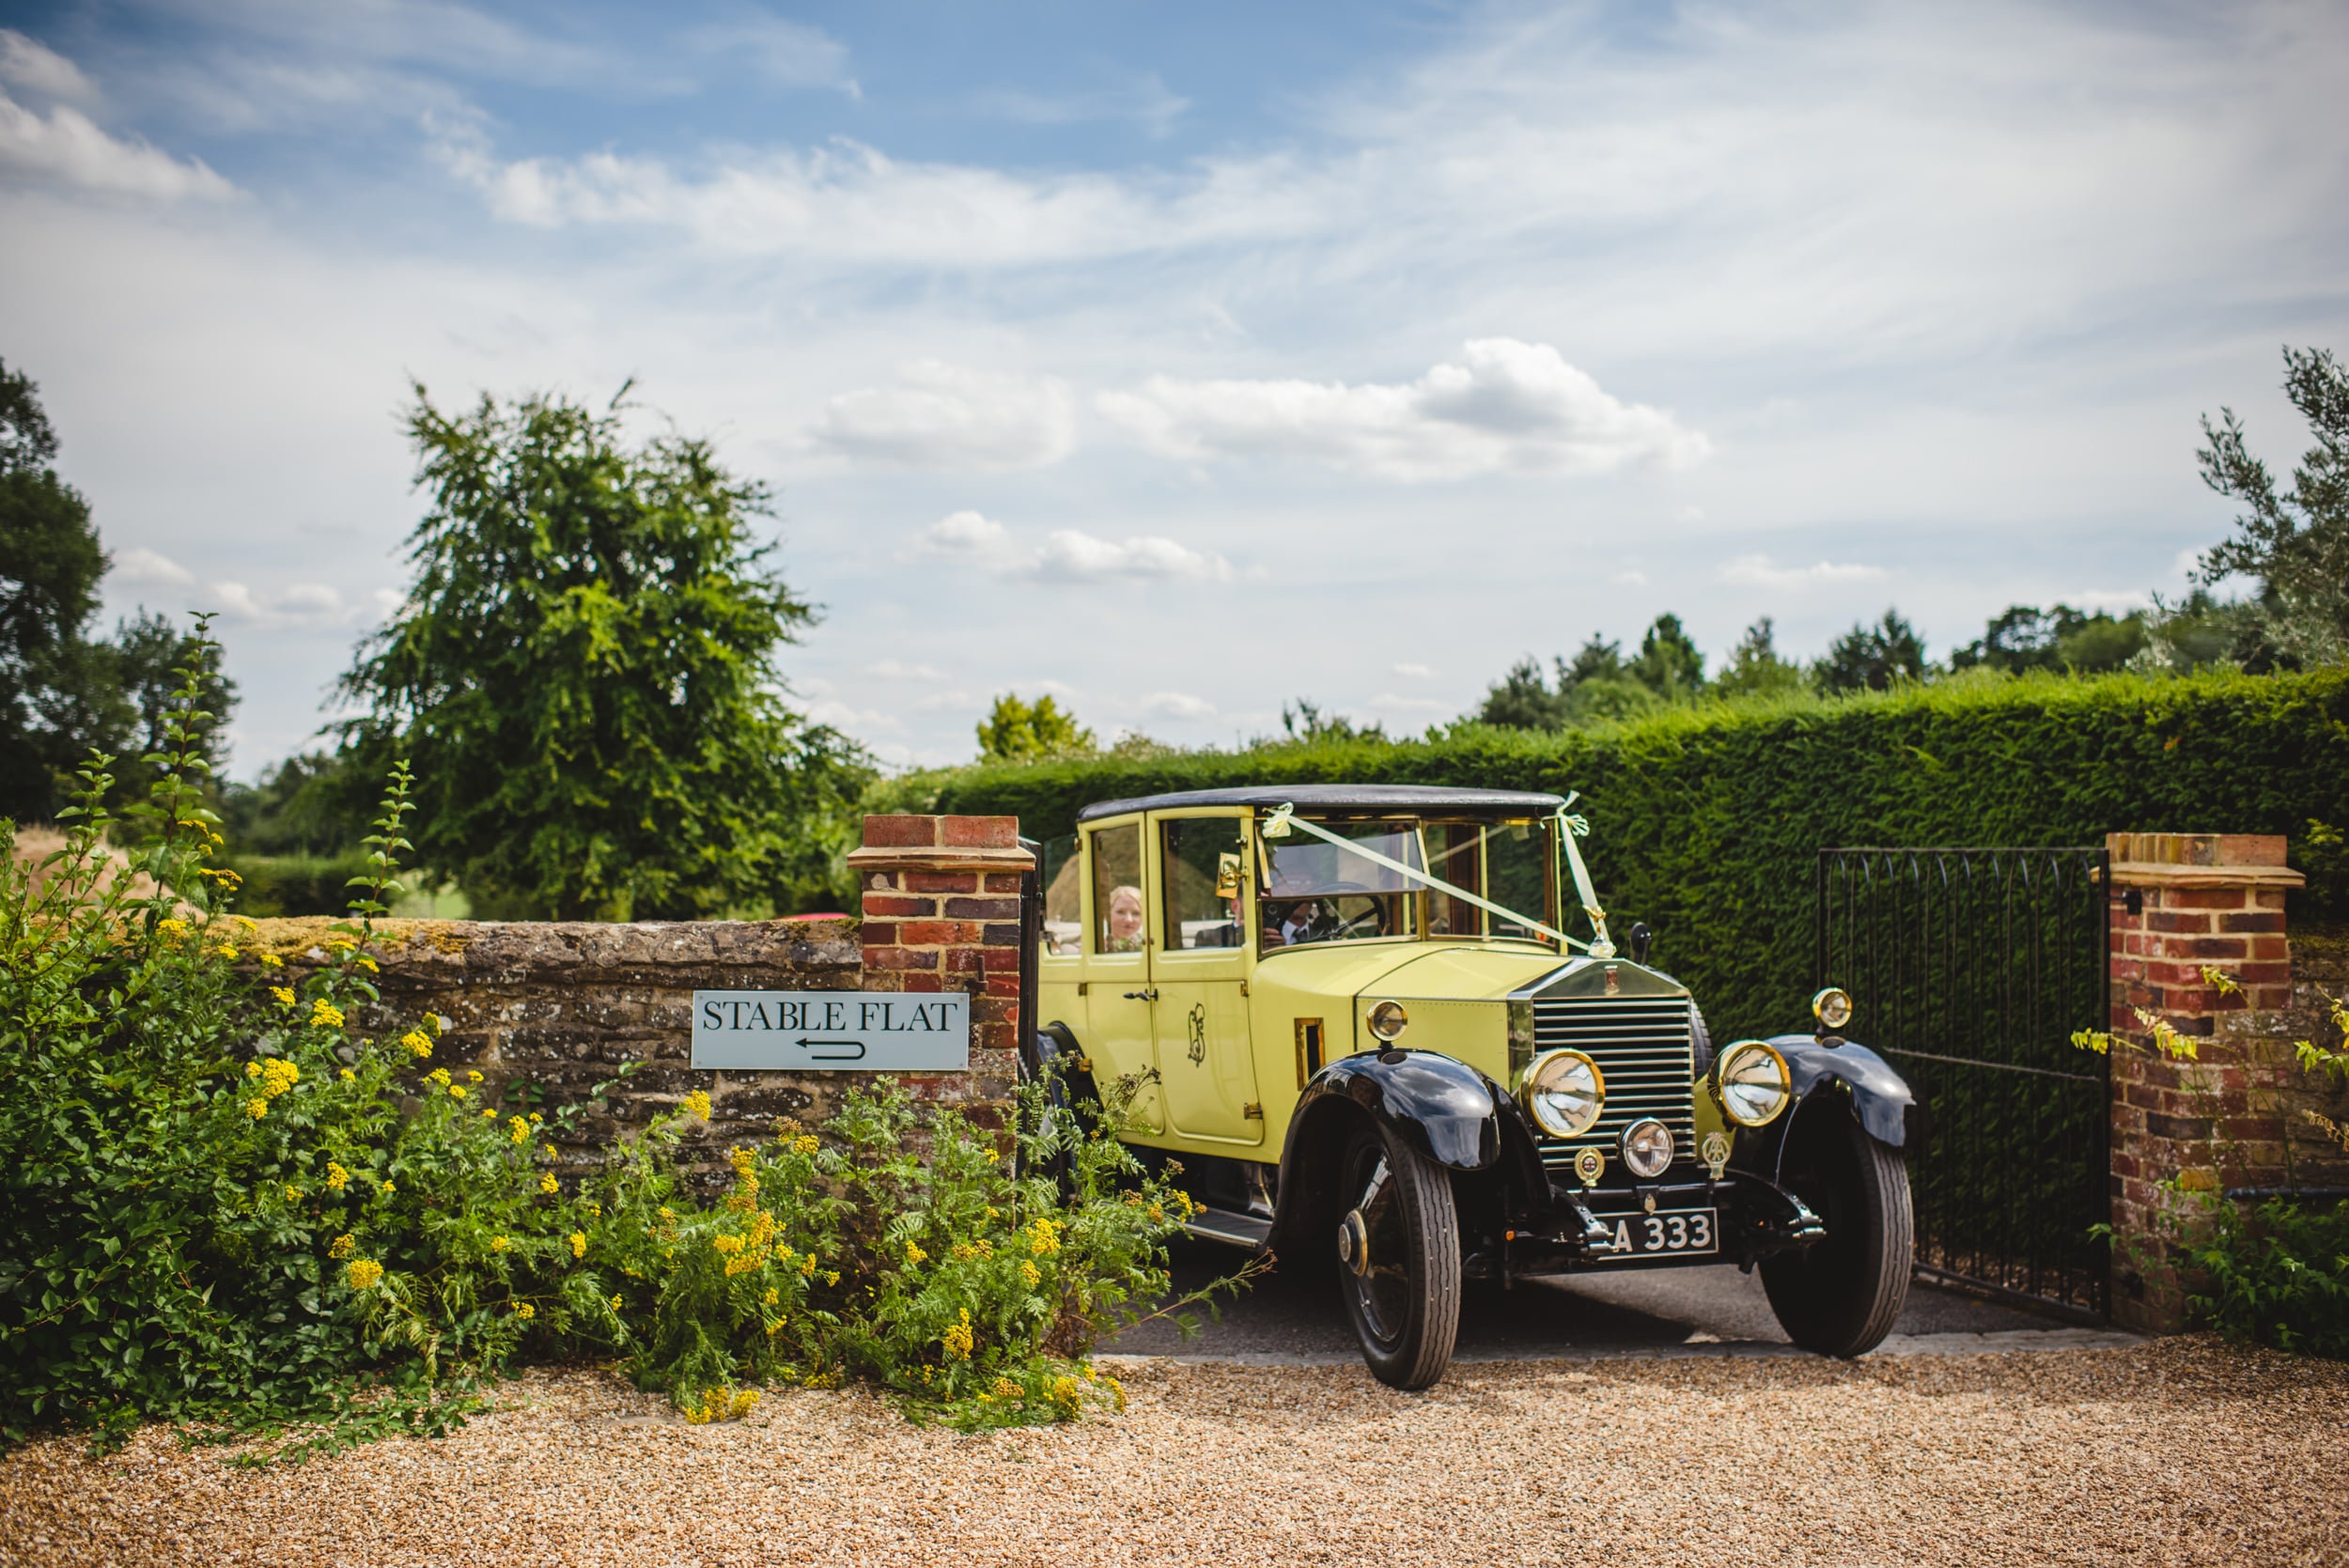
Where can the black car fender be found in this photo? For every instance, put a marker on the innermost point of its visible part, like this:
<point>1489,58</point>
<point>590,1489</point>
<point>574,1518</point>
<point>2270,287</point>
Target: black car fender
<point>1441,1106</point>
<point>1879,1098</point>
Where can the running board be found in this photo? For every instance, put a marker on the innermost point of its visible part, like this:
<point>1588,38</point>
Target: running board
<point>1233,1230</point>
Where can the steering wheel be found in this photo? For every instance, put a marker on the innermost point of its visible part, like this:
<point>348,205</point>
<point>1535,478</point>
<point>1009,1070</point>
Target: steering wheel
<point>1374,917</point>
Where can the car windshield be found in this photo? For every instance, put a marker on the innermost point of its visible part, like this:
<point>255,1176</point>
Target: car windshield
<point>1316,891</point>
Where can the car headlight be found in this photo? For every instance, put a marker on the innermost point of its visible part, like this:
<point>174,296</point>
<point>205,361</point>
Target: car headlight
<point>1388,1020</point>
<point>1647,1148</point>
<point>1751,1083</point>
<point>1832,1008</point>
<point>1563,1092</point>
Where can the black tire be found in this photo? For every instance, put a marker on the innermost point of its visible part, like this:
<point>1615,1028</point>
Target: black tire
<point>1400,1226</point>
<point>1842,1294</point>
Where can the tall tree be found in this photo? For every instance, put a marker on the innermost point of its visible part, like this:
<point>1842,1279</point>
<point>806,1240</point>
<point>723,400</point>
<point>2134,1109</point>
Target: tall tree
<point>2023,637</point>
<point>50,566</point>
<point>2295,543</point>
<point>1522,700</point>
<point>1016,730</point>
<point>583,677</point>
<point>1668,663</point>
<point>1870,658</point>
<point>1755,669</point>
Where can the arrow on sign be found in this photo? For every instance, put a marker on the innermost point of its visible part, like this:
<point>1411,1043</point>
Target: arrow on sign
<point>849,1050</point>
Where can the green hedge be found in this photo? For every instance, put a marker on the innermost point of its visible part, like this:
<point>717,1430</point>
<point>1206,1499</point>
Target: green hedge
<point>273,885</point>
<point>1705,822</point>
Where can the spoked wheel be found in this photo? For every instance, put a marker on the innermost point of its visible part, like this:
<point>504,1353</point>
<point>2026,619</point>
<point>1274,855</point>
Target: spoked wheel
<point>1841,1295</point>
<point>1399,1258</point>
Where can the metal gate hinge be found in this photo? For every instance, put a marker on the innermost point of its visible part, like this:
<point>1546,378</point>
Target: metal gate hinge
<point>1252,1112</point>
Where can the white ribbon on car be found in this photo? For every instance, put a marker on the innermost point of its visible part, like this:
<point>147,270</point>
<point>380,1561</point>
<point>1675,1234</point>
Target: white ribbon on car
<point>1284,817</point>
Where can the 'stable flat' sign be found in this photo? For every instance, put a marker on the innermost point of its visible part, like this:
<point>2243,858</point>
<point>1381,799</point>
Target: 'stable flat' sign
<point>869,1031</point>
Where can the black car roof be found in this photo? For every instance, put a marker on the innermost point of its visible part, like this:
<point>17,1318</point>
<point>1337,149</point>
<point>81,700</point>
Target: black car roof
<point>1328,796</point>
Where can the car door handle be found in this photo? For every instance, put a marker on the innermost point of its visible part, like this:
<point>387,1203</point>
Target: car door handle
<point>1141,996</point>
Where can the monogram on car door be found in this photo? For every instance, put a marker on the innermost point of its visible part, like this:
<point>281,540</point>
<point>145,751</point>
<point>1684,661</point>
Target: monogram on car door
<point>1198,963</point>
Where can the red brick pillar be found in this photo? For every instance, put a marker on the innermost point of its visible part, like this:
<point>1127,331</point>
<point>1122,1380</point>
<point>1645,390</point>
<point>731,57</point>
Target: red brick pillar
<point>2183,903</point>
<point>941,912</point>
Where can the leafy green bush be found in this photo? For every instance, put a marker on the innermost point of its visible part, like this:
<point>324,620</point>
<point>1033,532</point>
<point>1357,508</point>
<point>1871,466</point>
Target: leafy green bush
<point>218,1202</point>
<point>2279,1275</point>
<point>1706,821</point>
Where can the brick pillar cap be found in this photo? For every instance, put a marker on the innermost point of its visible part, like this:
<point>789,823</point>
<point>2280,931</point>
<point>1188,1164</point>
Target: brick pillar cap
<point>2201,860</point>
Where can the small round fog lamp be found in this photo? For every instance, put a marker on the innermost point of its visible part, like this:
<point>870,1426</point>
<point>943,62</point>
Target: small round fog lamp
<point>1388,1020</point>
<point>1563,1092</point>
<point>1647,1148</point>
<point>1751,1083</point>
<point>1832,1008</point>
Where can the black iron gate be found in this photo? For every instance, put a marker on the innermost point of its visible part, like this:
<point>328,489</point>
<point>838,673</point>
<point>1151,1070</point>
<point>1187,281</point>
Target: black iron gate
<point>1970,969</point>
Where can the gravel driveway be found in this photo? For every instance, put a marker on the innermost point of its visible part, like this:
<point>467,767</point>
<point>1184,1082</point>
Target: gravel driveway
<point>2173,1451</point>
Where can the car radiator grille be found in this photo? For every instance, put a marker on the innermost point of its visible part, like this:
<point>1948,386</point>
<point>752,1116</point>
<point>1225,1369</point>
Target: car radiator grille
<point>1646,1050</point>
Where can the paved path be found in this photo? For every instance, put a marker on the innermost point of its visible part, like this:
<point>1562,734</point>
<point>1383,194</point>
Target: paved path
<point>1713,1311</point>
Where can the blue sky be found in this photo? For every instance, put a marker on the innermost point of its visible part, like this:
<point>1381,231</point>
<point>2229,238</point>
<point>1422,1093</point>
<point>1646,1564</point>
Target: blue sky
<point>1181,360</point>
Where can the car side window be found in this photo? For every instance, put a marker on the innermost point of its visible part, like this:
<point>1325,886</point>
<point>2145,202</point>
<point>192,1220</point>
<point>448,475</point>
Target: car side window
<point>1118,916</point>
<point>1063,896</point>
<point>1199,876</point>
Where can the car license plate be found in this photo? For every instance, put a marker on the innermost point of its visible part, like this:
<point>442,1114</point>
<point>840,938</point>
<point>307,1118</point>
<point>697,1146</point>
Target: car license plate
<point>1676,1231</point>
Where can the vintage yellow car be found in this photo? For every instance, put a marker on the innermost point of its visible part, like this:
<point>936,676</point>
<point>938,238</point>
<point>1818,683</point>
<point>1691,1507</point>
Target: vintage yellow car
<point>1358,1017</point>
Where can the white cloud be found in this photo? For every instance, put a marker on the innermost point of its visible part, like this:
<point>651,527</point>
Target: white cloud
<point>299,604</point>
<point>945,416</point>
<point>897,669</point>
<point>67,148</point>
<point>1414,672</point>
<point>1630,579</point>
<point>1177,704</point>
<point>1760,572</point>
<point>33,68</point>
<point>1506,406</point>
<point>964,534</point>
<point>1071,555</point>
<point>1145,102</point>
<point>144,567</point>
<point>789,54</point>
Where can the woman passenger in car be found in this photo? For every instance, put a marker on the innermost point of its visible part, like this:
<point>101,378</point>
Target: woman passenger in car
<point>1125,919</point>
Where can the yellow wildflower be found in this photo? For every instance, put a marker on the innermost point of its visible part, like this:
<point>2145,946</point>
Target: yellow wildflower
<point>697,1105</point>
<point>1044,1237</point>
<point>340,944</point>
<point>548,1183</point>
<point>293,1193</point>
<point>958,1338</point>
<point>250,925</point>
<point>349,1076</point>
<point>1029,1273</point>
<point>490,1112</point>
<point>550,1149</point>
<point>439,1076</point>
<point>615,1302</point>
<point>227,951</point>
<point>525,1311</point>
<point>336,1177</point>
<point>742,1159</point>
<point>807,1266</point>
<point>832,1275</point>
<point>325,1014</point>
<point>595,1211</point>
<point>729,1244</point>
<point>1068,1394</point>
<point>773,1295</point>
<point>536,1118</point>
<point>368,964</point>
<point>499,1243</point>
<point>346,1246</point>
<point>914,1254</point>
<point>456,1091</point>
<point>473,1077</point>
<point>364,1275</point>
<point>579,1244</point>
<point>388,1190</point>
<point>284,994</point>
<point>257,1108</point>
<point>418,1041</point>
<point>172,927</point>
<point>277,1074</point>
<point>1007,1389</point>
<point>520,1128</point>
<point>803,1144</point>
<point>667,1213</point>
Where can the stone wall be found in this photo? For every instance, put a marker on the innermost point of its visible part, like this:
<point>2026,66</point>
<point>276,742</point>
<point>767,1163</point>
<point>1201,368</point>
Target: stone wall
<point>2233,1117</point>
<point>549,1012</point>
